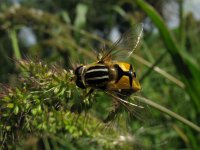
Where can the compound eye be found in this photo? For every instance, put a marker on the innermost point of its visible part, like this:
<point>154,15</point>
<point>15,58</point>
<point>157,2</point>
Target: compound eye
<point>80,84</point>
<point>78,70</point>
<point>78,73</point>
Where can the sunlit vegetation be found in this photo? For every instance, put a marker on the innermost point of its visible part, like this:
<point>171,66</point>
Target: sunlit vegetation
<point>42,41</point>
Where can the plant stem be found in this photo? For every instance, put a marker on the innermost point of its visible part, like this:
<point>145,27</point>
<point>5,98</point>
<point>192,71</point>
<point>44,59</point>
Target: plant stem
<point>167,111</point>
<point>15,45</point>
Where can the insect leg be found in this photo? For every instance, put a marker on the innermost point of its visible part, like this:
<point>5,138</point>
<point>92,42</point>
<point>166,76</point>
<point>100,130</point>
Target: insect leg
<point>89,93</point>
<point>113,113</point>
<point>78,107</point>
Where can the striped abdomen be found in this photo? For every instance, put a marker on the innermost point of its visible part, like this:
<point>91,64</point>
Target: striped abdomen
<point>97,76</point>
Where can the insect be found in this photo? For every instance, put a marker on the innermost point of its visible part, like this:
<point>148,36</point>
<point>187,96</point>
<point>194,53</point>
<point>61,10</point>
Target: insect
<point>116,78</point>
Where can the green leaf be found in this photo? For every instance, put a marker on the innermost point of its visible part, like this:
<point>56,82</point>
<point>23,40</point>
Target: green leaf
<point>16,110</point>
<point>10,105</point>
<point>185,65</point>
<point>81,11</point>
<point>15,45</point>
<point>66,17</point>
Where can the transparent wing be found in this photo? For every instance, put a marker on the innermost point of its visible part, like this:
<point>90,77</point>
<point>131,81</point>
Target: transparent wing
<point>125,45</point>
<point>134,109</point>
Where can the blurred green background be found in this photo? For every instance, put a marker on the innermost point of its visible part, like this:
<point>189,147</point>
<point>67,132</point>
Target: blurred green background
<point>69,32</point>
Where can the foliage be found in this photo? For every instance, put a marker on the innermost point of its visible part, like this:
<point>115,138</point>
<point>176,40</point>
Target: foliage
<point>36,98</point>
<point>185,65</point>
<point>40,107</point>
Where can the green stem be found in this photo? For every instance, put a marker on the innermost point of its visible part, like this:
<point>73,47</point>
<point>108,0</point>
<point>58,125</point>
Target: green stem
<point>167,111</point>
<point>15,45</point>
<point>182,25</point>
<point>153,65</point>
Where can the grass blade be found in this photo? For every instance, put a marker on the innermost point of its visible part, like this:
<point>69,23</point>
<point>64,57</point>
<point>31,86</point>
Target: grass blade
<point>185,65</point>
<point>167,111</point>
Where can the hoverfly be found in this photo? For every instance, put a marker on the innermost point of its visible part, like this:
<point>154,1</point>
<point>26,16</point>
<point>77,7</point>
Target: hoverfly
<point>116,78</point>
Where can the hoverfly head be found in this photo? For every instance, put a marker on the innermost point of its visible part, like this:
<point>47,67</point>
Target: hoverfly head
<point>78,77</point>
